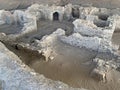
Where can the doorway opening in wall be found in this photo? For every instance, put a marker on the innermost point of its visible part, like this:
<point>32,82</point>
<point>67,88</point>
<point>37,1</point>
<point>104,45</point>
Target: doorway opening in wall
<point>103,17</point>
<point>75,12</point>
<point>56,16</point>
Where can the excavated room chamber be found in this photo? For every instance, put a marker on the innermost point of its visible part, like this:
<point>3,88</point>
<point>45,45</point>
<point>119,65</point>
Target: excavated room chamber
<point>69,64</point>
<point>102,20</point>
<point>10,29</point>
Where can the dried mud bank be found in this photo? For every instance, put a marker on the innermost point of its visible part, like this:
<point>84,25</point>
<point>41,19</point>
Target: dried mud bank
<point>76,40</point>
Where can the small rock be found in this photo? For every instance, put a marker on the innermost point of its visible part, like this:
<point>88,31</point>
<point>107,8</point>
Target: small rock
<point>99,75</point>
<point>51,57</point>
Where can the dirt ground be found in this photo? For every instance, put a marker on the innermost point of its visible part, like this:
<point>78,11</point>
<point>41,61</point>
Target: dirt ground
<point>18,4</point>
<point>10,29</point>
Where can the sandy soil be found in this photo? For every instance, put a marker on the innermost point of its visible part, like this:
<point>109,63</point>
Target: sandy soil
<point>17,4</point>
<point>20,4</point>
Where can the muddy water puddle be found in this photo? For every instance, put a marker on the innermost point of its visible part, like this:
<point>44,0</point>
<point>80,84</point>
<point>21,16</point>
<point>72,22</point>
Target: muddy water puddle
<point>69,66</point>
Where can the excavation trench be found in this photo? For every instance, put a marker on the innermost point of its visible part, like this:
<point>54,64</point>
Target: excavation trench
<point>66,66</point>
<point>70,64</point>
<point>46,27</point>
